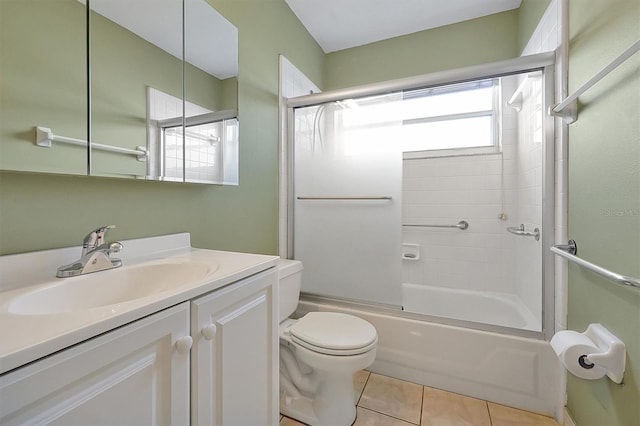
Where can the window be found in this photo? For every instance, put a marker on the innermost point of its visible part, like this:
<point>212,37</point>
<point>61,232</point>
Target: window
<point>454,117</point>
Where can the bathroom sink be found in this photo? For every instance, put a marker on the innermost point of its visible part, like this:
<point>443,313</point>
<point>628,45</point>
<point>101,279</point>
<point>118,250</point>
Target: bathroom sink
<point>108,287</point>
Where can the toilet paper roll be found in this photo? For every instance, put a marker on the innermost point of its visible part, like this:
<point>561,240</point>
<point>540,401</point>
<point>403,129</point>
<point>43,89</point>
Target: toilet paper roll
<point>572,348</point>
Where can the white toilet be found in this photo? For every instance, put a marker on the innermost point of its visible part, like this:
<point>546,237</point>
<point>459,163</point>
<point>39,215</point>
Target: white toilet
<point>319,353</point>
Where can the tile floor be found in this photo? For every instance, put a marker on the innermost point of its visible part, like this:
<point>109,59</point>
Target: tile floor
<point>384,401</point>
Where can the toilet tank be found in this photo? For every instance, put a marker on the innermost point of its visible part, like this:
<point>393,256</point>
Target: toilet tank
<point>289,278</point>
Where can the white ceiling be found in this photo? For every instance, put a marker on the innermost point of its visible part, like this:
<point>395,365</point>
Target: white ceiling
<point>341,24</point>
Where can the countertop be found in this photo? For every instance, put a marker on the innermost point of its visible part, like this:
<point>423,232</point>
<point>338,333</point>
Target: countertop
<point>28,337</point>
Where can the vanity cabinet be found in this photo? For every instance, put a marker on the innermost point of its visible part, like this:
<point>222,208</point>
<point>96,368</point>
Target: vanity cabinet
<point>235,354</point>
<point>212,360</point>
<point>132,375</point>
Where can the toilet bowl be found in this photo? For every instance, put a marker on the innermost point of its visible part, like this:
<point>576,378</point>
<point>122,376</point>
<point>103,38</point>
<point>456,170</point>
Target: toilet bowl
<point>319,353</point>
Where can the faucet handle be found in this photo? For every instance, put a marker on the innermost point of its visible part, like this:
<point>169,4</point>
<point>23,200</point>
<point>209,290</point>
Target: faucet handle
<point>115,247</point>
<point>95,238</point>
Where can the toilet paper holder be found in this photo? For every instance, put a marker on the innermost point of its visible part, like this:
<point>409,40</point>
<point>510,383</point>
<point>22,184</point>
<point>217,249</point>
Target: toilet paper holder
<point>613,355</point>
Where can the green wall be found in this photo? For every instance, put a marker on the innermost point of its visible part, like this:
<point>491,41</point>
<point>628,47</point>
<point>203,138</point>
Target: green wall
<point>477,41</point>
<point>39,211</point>
<point>604,199</point>
<point>46,87</point>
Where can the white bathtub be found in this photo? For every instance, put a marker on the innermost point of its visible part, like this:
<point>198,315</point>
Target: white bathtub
<point>501,309</point>
<point>515,371</point>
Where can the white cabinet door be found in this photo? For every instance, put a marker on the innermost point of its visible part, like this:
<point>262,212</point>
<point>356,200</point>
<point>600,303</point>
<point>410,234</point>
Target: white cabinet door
<point>234,376</point>
<point>134,375</point>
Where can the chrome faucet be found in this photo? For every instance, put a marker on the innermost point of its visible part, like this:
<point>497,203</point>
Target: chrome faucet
<point>95,255</point>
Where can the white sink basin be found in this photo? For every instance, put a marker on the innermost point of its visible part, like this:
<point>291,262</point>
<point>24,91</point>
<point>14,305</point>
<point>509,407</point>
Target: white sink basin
<point>108,287</point>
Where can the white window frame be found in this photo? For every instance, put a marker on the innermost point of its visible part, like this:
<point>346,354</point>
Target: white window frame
<point>196,120</point>
<point>496,114</point>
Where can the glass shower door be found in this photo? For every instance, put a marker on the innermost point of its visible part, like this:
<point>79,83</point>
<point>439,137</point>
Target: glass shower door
<point>347,204</point>
<point>382,182</point>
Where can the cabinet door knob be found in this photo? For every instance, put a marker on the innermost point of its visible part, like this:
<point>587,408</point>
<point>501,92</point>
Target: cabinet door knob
<point>209,332</point>
<point>183,345</point>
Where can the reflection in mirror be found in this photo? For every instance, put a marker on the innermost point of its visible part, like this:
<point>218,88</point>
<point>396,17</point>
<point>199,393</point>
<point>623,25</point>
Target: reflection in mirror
<point>134,45</point>
<point>211,126</point>
<point>139,81</point>
<point>206,152</point>
<point>211,147</point>
<point>43,83</point>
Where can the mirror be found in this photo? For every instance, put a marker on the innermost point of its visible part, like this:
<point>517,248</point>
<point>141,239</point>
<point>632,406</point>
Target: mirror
<point>141,70</point>
<point>143,77</point>
<point>211,85</point>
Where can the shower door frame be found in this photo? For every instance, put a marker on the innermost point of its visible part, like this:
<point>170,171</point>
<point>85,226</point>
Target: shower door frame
<point>544,62</point>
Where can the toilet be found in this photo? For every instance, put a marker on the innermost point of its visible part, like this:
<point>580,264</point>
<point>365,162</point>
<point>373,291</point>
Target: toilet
<point>319,353</point>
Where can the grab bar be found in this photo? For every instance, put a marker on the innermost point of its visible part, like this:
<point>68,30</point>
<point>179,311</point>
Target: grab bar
<point>571,101</point>
<point>569,251</point>
<point>45,137</point>
<point>345,197</point>
<point>519,230</point>
<point>462,225</point>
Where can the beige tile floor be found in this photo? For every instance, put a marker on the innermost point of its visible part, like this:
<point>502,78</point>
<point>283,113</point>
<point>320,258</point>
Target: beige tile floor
<point>385,401</point>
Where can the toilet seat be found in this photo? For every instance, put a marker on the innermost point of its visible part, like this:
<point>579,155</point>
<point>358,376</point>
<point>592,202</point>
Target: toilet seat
<point>333,333</point>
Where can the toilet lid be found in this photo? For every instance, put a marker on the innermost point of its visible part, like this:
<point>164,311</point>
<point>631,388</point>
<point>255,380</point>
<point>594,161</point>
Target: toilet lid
<point>334,333</point>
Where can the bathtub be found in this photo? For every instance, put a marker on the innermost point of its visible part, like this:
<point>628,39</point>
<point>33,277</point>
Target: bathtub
<point>510,370</point>
<point>500,309</point>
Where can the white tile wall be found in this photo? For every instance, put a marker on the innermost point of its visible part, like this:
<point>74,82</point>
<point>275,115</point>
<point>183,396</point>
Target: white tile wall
<point>527,196</point>
<point>478,189</point>
<point>547,36</point>
<point>443,191</point>
<point>551,34</point>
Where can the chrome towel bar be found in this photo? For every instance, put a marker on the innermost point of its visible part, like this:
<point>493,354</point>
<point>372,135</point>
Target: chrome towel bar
<point>462,225</point>
<point>519,230</point>
<point>345,197</point>
<point>568,251</point>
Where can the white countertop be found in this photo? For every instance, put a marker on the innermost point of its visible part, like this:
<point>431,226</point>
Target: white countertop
<point>26,338</point>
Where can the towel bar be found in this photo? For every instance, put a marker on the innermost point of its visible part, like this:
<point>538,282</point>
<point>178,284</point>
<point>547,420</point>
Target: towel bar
<point>568,251</point>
